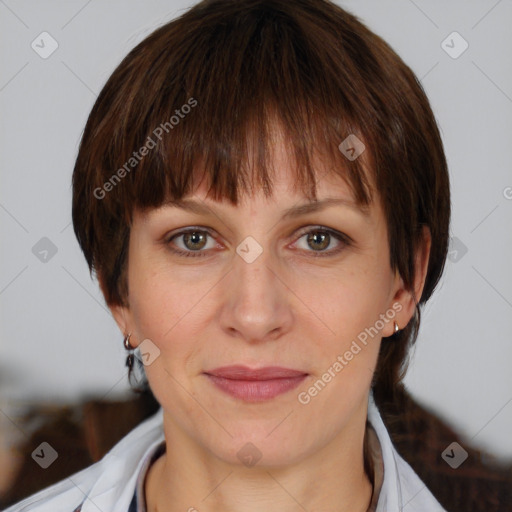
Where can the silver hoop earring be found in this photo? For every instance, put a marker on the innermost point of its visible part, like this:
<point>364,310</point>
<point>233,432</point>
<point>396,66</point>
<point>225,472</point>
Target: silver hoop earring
<point>396,328</point>
<point>128,346</point>
<point>126,342</point>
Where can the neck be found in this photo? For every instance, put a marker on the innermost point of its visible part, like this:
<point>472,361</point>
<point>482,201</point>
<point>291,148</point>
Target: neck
<point>189,478</point>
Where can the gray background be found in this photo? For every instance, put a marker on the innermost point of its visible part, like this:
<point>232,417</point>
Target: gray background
<point>58,340</point>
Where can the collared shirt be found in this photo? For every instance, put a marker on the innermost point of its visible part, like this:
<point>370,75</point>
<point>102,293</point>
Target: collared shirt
<point>116,482</point>
<point>138,503</point>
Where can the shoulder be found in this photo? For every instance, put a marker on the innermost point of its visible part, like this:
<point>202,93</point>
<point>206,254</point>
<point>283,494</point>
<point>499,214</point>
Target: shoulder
<point>66,495</point>
<point>109,482</point>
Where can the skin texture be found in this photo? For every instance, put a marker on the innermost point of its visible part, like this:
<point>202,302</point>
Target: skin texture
<point>287,308</point>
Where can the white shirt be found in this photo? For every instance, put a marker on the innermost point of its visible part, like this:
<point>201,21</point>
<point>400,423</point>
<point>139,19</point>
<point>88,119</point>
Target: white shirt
<point>109,484</point>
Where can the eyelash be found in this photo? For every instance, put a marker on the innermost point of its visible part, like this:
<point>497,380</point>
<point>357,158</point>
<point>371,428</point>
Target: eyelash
<point>345,239</point>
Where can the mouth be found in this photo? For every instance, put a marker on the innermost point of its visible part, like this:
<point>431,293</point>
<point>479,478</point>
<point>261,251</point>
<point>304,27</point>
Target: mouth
<point>255,385</point>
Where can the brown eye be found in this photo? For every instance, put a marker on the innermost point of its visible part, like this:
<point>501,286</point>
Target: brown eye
<point>191,242</point>
<point>318,240</point>
<point>194,240</point>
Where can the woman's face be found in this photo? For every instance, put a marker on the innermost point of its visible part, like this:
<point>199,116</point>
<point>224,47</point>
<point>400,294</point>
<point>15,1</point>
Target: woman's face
<point>259,286</point>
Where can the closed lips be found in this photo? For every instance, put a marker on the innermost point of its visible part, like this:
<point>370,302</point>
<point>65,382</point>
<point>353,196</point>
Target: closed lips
<point>239,372</point>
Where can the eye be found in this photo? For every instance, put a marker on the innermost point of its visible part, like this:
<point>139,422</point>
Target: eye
<point>319,238</point>
<point>193,240</point>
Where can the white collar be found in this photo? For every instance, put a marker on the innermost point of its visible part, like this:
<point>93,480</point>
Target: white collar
<point>402,489</point>
<point>123,464</point>
<point>110,483</point>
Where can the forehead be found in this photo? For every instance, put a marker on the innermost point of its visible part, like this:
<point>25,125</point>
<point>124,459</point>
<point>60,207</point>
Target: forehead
<point>286,198</point>
<point>329,177</point>
<point>286,191</point>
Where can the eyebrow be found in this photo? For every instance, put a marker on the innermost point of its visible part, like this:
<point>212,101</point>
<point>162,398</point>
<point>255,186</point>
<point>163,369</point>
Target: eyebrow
<point>295,211</point>
<point>316,206</point>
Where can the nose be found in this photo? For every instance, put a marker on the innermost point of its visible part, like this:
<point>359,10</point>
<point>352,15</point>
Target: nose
<point>257,304</point>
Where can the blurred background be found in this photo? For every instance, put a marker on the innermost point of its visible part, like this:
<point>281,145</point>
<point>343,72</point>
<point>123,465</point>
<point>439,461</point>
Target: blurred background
<point>60,348</point>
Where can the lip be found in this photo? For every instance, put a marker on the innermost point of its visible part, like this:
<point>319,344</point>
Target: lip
<point>255,385</point>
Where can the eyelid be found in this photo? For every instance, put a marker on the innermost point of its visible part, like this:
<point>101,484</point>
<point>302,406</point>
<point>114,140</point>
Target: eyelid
<point>331,231</point>
<point>187,229</point>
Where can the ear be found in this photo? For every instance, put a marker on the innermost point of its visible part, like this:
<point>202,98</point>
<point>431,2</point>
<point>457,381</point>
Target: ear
<point>405,296</point>
<point>121,314</point>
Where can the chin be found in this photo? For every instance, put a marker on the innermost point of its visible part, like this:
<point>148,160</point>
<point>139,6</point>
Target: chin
<point>263,450</point>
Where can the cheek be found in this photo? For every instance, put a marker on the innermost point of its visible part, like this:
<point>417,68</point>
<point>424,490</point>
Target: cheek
<point>159,310</point>
<point>345,355</point>
<point>347,337</point>
<point>149,301</point>
<point>167,306</point>
<point>348,301</point>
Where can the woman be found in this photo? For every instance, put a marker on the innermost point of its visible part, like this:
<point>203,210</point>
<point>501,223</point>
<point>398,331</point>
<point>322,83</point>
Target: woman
<point>262,192</point>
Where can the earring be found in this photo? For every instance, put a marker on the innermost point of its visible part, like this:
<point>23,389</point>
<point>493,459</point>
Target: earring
<point>396,327</point>
<point>128,346</point>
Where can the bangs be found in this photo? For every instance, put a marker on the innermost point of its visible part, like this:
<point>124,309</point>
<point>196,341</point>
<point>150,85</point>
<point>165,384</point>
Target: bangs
<point>212,103</point>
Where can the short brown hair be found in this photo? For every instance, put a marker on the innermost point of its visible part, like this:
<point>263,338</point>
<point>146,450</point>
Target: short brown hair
<point>237,65</point>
